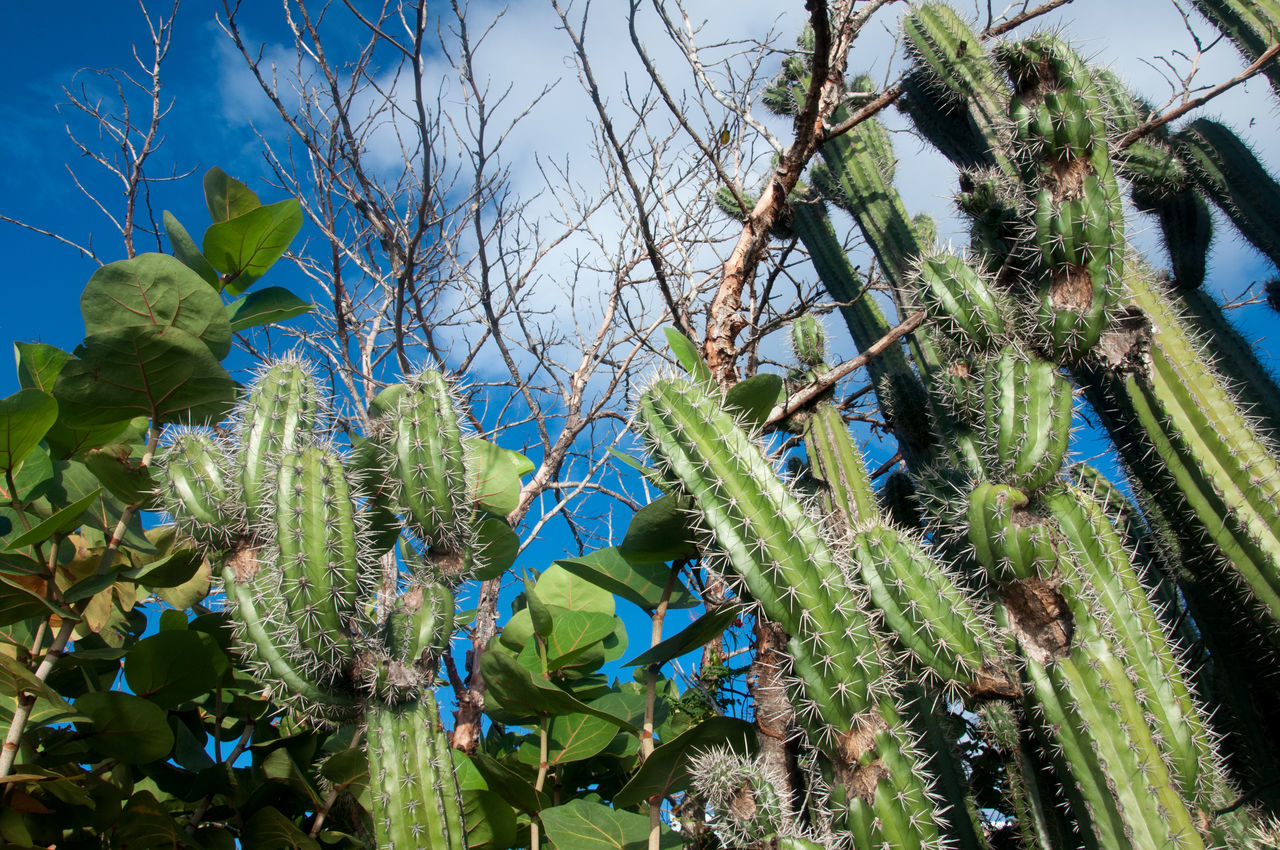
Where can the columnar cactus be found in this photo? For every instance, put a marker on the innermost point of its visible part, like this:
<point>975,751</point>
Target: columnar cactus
<point>281,508</point>
<point>1252,25</point>
<point>841,682</point>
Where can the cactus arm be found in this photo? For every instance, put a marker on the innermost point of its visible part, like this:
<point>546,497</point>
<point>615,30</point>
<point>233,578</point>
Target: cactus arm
<point>262,639</point>
<point>1252,25</point>
<point>416,801</point>
<point>1228,172</point>
<point>316,536</point>
<point>276,417</point>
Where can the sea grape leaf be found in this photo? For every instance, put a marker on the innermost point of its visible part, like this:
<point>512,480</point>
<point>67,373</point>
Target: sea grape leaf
<point>690,358</point>
<point>265,307</point>
<point>243,248</point>
<point>25,417</point>
<point>185,249</point>
<point>666,770</point>
<point>226,196</point>
<point>637,582</point>
<point>155,290</point>
<point>126,727</point>
<point>162,373</point>
<point>588,825</point>
<point>172,667</point>
<point>690,638</point>
<point>660,531</point>
<point>752,400</point>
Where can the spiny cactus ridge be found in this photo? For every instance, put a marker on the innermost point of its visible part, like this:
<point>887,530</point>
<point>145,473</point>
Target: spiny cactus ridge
<point>288,516</point>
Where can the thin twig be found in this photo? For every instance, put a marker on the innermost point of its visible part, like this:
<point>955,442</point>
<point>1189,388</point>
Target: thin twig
<point>828,380</point>
<point>1195,103</point>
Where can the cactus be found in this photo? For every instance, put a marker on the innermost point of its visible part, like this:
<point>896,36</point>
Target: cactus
<point>840,682</point>
<point>282,510</point>
<point>1252,25</point>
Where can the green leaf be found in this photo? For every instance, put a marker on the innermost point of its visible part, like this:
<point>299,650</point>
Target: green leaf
<point>690,358</point>
<point>666,770</point>
<point>171,570</point>
<point>265,307</point>
<point>490,821</point>
<point>557,586</point>
<point>495,475</point>
<point>636,582</point>
<point>496,548</point>
<point>38,364</point>
<point>25,417</point>
<point>146,825</point>
<point>17,603</point>
<point>61,522</point>
<point>243,248</point>
<point>575,737</point>
<point>750,401</point>
<point>573,632</point>
<point>347,769</point>
<point>115,466</point>
<point>659,532</point>
<point>539,615</point>
<point>588,825</point>
<point>226,196</point>
<point>170,668</point>
<point>513,691</point>
<point>269,828</point>
<point>126,727</point>
<point>191,591</point>
<point>162,373</point>
<point>691,637</point>
<point>155,290</point>
<point>185,249</point>
<point>511,785</point>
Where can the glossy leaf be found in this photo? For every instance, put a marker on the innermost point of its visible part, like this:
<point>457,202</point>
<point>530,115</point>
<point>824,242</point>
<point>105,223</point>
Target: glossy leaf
<point>265,307</point>
<point>188,253</point>
<point>512,690</point>
<point>660,531</point>
<point>243,248</point>
<point>496,475</point>
<point>697,633</point>
<point>18,603</point>
<point>269,828</point>
<point>162,373</point>
<point>666,771</point>
<point>637,582</point>
<point>126,727</point>
<point>751,400</point>
<point>690,358</point>
<point>38,364</point>
<point>575,631</point>
<point>490,821</point>
<point>61,522</point>
<point>117,467</point>
<point>155,290</point>
<point>496,548</point>
<point>513,787</point>
<point>226,196</point>
<point>588,825</point>
<point>25,417</point>
<point>172,667</point>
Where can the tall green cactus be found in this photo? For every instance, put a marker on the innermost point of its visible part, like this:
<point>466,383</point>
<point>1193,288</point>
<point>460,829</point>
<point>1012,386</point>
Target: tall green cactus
<point>841,683</point>
<point>300,571</point>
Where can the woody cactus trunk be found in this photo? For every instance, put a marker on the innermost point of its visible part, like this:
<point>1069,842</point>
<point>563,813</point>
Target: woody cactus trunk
<point>305,533</point>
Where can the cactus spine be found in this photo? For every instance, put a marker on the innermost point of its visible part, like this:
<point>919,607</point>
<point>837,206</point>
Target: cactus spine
<point>284,513</point>
<point>1252,25</point>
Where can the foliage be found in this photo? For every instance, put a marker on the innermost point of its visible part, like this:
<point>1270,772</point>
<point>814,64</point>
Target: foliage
<point>995,649</point>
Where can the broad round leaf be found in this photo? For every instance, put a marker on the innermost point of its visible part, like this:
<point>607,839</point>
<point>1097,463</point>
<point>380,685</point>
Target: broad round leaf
<point>126,727</point>
<point>170,668</point>
<point>496,548</point>
<point>25,417</point>
<point>265,307</point>
<point>162,373</point>
<point>245,247</point>
<point>587,825</point>
<point>155,290</point>
<point>226,196</point>
<point>184,248</point>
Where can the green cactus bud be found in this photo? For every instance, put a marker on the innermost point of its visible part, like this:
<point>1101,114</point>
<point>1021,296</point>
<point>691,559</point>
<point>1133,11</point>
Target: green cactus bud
<point>808,341</point>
